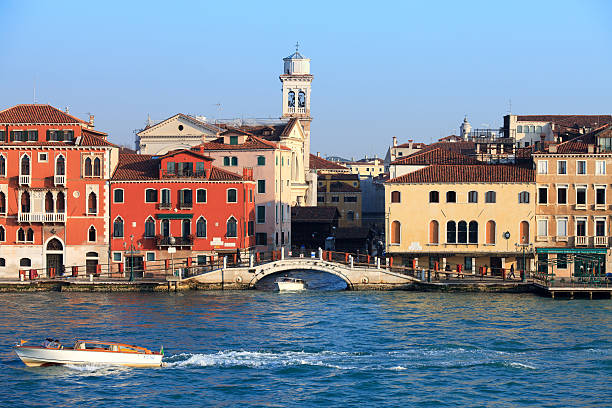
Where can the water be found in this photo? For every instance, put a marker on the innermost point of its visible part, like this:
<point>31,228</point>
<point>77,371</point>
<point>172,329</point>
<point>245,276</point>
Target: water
<point>318,348</point>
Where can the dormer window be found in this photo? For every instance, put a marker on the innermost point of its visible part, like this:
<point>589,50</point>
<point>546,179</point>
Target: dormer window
<point>233,140</point>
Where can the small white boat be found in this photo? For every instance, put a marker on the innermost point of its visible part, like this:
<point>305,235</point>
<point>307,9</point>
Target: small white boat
<point>286,283</point>
<point>88,352</point>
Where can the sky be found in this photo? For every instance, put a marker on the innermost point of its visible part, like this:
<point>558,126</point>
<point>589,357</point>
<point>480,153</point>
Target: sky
<point>381,69</point>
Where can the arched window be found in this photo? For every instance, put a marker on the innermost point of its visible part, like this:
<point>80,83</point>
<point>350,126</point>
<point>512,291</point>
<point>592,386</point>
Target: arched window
<point>2,203</point>
<point>118,228</point>
<point>395,232</point>
<point>92,203</point>
<point>25,262</point>
<point>473,232</point>
<point>473,197</point>
<point>451,197</point>
<point>231,228</point>
<point>261,161</point>
<point>395,196</point>
<point>2,233</point>
<point>149,231</point>
<point>490,197</point>
<point>25,165</point>
<point>291,99</point>
<point>301,99</point>
<point>519,129</point>
<point>232,195</point>
<point>451,232</point>
<point>88,169</point>
<point>49,204</point>
<point>2,166</point>
<point>20,235</point>
<point>54,245</point>
<point>30,235</point>
<point>186,228</point>
<point>60,166</point>
<point>2,262</point>
<point>96,167</point>
<point>91,234</point>
<point>150,195</point>
<point>524,197</point>
<point>350,215</point>
<point>201,228</point>
<point>434,230</point>
<point>462,232</point>
<point>165,228</point>
<point>434,197</point>
<point>25,202</point>
<point>490,232</point>
<point>524,232</point>
<point>60,202</point>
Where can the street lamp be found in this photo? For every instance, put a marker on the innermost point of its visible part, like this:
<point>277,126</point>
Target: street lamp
<point>132,258</point>
<point>524,248</point>
<point>171,249</point>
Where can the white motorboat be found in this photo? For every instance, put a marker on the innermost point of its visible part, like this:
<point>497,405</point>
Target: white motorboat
<point>88,352</point>
<point>290,284</point>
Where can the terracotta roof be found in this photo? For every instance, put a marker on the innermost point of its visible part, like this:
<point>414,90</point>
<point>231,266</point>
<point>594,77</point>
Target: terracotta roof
<point>435,156</point>
<point>462,173</point>
<point>571,121</point>
<point>146,167</point>
<point>463,147</point>
<point>412,144</point>
<point>340,187</point>
<point>30,113</point>
<point>91,137</point>
<point>252,143</point>
<point>185,151</point>
<point>450,138</point>
<point>272,132</point>
<point>319,163</point>
<point>580,144</point>
<point>314,214</point>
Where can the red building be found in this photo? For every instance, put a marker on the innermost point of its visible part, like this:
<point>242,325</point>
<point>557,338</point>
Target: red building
<point>53,194</point>
<point>178,200</point>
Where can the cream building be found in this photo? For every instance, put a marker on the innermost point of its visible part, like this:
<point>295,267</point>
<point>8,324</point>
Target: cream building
<point>177,132</point>
<point>469,215</point>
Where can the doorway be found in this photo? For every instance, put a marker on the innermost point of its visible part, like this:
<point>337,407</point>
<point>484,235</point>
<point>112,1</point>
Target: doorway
<point>55,257</point>
<point>496,266</point>
<point>137,262</point>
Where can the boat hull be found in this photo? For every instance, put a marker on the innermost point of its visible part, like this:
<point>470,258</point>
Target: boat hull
<point>289,286</point>
<point>38,356</point>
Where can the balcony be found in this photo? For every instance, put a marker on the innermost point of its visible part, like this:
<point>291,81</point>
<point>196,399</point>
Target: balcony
<point>199,174</point>
<point>59,180</point>
<point>41,217</point>
<point>581,240</point>
<point>580,207</point>
<point>601,241</point>
<point>162,242</point>
<point>187,205</point>
<point>600,206</point>
<point>292,109</point>
<point>24,179</point>
<point>165,206</point>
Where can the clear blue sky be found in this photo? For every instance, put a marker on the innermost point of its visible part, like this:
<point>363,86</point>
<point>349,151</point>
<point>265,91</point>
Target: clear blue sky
<point>382,69</point>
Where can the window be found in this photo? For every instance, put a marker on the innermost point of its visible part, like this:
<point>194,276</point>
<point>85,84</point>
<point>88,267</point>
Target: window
<point>233,140</point>
<point>150,256</point>
<point>451,197</point>
<point>531,129</point>
<point>200,195</point>
<point>150,195</point>
<point>561,167</point>
<point>335,199</point>
<point>2,166</point>
<point>118,195</point>
<point>234,161</point>
<point>542,166</point>
<point>451,232</point>
<point>473,233</point>
<point>118,228</point>
<point>434,197</point>
<point>561,194</point>
<point>524,197</point>
<point>201,228</point>
<point>2,234</point>
<point>581,195</point>
<point>2,203</point>
<point>600,195</point>
<point>232,195</point>
<point>320,199</point>
<point>350,215</point>
<point>92,203</point>
<point>395,232</point>
<point>186,228</point>
<point>600,167</point>
<point>395,197</point>
<point>231,228</point>
<point>251,228</point>
<point>200,172</point>
<point>562,227</point>
<point>149,228</point>
<point>261,214</point>
<point>434,231</point>
<point>580,167</point>
<point>350,199</point>
<point>605,143</point>
<point>20,235</point>
<point>117,256</point>
<point>25,165</point>
<point>261,186</point>
<point>2,262</point>
<point>562,261</point>
<point>2,136</point>
<point>96,167</point>
<point>462,232</point>
<point>171,168</point>
<point>185,198</point>
<point>201,260</point>
<point>490,197</point>
<point>600,228</point>
<point>261,161</point>
<point>30,235</point>
<point>91,234</point>
<point>519,129</point>
<point>88,167</point>
<point>542,227</point>
<point>473,197</point>
<point>581,227</point>
<point>538,129</point>
<point>261,238</point>
<point>490,232</point>
<point>226,161</point>
<point>542,195</point>
<point>524,232</point>
<point>25,262</point>
<point>43,157</point>
<point>165,196</point>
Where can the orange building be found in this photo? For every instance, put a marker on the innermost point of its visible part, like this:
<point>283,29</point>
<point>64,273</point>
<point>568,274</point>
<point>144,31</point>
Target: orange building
<point>53,194</point>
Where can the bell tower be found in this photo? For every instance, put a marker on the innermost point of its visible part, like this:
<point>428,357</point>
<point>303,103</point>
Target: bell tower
<point>296,81</point>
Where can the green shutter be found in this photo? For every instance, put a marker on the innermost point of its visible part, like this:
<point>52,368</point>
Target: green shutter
<point>48,135</point>
<point>226,161</point>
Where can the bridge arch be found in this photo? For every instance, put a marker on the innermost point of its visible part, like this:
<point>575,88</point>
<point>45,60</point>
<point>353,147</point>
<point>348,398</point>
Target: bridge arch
<point>282,266</point>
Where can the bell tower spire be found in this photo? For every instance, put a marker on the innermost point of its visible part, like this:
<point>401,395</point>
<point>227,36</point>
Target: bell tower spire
<point>296,81</point>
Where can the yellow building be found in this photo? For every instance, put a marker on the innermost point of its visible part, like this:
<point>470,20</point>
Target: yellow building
<point>469,214</point>
<point>341,191</point>
<point>366,167</point>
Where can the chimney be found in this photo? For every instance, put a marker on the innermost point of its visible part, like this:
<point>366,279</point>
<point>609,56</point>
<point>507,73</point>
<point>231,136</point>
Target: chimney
<point>552,148</point>
<point>591,148</point>
<point>318,154</point>
<point>66,110</point>
<point>394,141</point>
<point>91,120</point>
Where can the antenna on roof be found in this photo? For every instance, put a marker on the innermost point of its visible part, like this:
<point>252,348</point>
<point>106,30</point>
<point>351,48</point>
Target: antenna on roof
<point>297,46</point>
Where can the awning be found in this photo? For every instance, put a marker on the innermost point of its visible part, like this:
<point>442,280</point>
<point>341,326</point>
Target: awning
<point>173,216</point>
<point>571,250</point>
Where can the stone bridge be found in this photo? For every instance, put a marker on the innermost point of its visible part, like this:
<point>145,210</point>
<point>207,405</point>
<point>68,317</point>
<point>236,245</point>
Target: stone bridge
<point>357,277</point>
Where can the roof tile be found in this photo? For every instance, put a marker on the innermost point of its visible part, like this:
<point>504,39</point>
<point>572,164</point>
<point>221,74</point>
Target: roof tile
<point>34,113</point>
<point>462,173</point>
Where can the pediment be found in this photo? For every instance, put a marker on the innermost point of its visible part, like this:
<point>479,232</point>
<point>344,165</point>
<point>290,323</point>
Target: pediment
<point>181,126</point>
